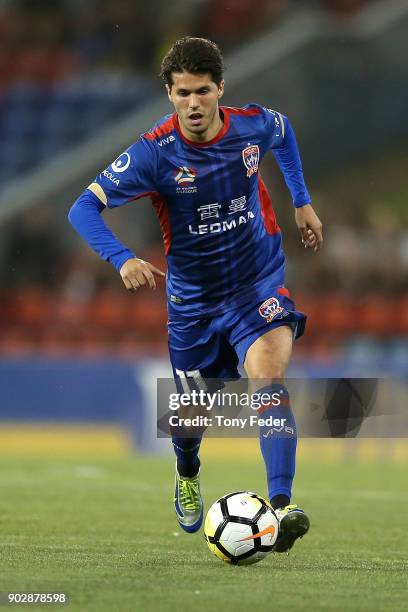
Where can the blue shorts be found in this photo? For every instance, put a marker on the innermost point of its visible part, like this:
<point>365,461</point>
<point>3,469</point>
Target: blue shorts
<point>215,346</point>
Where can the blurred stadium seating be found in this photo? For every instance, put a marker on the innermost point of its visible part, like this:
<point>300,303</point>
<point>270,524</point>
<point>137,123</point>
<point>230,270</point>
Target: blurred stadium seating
<point>37,122</point>
<point>68,69</point>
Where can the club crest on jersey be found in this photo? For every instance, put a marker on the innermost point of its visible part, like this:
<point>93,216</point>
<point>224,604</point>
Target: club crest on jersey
<point>270,308</point>
<point>185,178</point>
<point>250,156</point>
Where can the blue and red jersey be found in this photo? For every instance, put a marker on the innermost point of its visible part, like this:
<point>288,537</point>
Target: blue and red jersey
<point>221,239</point>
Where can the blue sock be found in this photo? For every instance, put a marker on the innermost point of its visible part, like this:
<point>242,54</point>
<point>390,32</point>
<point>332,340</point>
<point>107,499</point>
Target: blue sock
<point>278,444</point>
<point>186,450</point>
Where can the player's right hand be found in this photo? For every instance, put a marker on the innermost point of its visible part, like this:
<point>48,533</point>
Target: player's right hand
<point>310,227</point>
<point>136,272</point>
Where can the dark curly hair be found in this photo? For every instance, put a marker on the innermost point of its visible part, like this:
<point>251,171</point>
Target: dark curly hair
<point>194,55</point>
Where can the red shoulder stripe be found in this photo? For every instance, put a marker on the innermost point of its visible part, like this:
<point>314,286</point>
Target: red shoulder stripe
<point>161,130</point>
<point>232,110</point>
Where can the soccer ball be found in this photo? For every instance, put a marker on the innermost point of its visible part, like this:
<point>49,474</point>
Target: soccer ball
<point>241,528</point>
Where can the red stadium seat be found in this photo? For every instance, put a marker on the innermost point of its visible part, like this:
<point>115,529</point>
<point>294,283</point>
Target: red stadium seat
<point>107,310</point>
<point>399,316</point>
<point>376,315</point>
<point>34,307</point>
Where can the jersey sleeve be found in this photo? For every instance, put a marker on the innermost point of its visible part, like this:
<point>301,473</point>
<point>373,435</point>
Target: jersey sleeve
<point>85,216</point>
<point>274,127</point>
<point>281,140</point>
<point>129,177</point>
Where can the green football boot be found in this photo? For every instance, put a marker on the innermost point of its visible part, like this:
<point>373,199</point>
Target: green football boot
<point>188,502</point>
<point>293,524</point>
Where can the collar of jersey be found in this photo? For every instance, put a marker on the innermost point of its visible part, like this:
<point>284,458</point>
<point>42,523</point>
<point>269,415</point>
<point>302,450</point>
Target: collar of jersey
<point>208,143</point>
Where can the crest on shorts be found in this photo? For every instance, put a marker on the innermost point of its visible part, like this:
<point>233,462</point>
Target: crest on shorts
<point>270,308</point>
<point>250,156</point>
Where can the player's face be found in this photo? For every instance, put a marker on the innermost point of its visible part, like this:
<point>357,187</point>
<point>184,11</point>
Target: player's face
<point>195,98</point>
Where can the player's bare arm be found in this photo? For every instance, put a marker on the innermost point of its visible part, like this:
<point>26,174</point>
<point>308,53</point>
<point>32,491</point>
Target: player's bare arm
<point>136,273</point>
<point>310,227</point>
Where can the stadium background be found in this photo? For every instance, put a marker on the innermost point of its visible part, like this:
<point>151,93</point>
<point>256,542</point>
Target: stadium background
<point>79,356</point>
<point>76,81</point>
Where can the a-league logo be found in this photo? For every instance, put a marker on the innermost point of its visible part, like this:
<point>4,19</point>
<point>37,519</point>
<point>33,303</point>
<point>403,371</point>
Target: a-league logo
<point>185,176</point>
<point>270,308</point>
<point>250,156</point>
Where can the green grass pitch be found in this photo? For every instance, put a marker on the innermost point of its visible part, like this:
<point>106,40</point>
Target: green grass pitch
<point>103,531</point>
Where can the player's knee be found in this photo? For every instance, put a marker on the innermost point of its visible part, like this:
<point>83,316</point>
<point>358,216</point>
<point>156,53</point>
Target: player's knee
<point>268,371</point>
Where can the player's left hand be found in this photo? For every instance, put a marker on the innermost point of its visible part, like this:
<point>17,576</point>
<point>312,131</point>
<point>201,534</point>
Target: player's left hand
<point>310,227</point>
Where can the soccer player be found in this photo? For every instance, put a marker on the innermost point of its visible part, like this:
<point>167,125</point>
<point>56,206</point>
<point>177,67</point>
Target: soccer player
<point>227,301</point>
